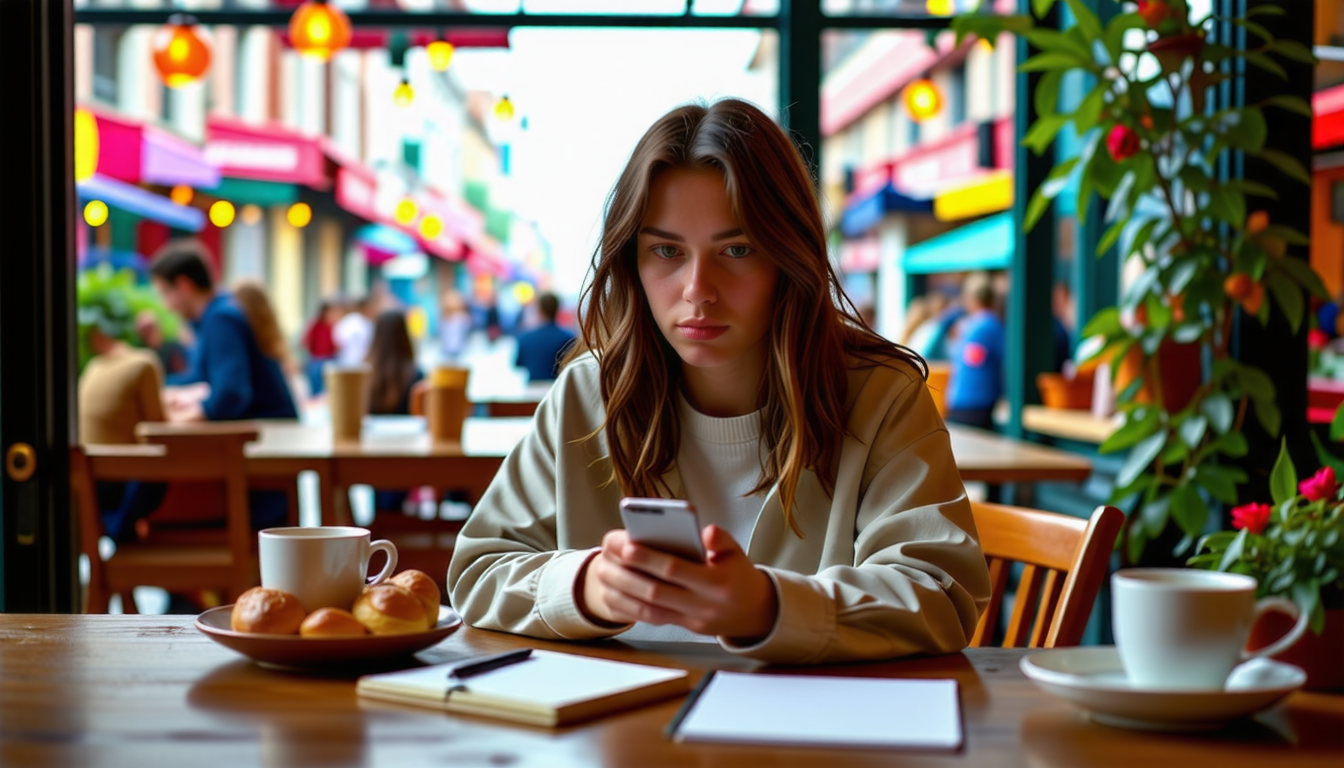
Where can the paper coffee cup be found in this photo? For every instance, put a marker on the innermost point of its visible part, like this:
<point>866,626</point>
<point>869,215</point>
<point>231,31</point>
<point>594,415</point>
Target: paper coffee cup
<point>347,398</point>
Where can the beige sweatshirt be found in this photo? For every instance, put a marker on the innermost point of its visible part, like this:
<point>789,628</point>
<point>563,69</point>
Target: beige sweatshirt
<point>888,566</point>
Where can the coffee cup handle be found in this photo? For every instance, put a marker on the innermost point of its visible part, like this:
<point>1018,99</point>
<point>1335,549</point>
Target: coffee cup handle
<point>1267,604</point>
<point>389,549</point>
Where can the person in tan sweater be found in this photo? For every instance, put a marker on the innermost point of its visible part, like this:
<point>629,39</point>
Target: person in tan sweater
<point>721,362</point>
<point>119,388</point>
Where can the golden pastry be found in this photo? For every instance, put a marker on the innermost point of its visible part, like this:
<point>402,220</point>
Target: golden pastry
<point>267,611</point>
<point>332,622</point>
<point>425,590</point>
<point>388,609</point>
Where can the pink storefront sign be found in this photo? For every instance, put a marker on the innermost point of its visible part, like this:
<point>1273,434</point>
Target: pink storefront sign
<point>266,153</point>
<point>133,152</point>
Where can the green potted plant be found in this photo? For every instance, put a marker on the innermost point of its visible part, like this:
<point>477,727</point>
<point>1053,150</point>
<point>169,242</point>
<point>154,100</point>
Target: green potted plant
<point>110,299</point>
<point>1151,147</point>
<point>1294,548</point>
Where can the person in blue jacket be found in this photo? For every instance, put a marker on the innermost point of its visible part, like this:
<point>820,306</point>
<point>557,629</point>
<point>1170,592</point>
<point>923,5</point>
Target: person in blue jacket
<point>244,382</point>
<point>975,381</point>
<point>540,349</point>
<point>231,376</point>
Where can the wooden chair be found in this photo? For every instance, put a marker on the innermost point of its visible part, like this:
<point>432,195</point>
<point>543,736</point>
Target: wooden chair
<point>1065,561</point>
<point>222,557</point>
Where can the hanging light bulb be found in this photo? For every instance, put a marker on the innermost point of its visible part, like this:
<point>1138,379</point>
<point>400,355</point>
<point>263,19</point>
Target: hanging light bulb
<point>404,94</point>
<point>318,29</point>
<point>221,213</point>
<point>299,215</point>
<point>181,194</point>
<point>95,213</point>
<point>504,109</point>
<point>431,227</point>
<point>406,211</point>
<point>922,100</point>
<point>180,55</point>
<point>440,54</point>
<point>940,7</point>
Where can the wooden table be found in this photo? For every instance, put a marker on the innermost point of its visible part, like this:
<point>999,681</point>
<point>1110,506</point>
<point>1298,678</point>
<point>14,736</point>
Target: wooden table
<point>990,458</point>
<point>152,691</point>
<point>397,452</point>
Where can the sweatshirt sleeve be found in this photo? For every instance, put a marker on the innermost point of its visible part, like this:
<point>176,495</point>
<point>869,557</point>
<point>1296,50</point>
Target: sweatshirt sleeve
<point>918,581</point>
<point>507,571</point>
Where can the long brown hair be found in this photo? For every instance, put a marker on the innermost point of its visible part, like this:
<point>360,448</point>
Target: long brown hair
<point>817,332</point>
<point>392,362</point>
<point>250,295</point>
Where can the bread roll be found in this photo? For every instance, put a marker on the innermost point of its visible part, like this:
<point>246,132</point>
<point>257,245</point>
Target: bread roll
<point>388,609</point>
<point>425,590</point>
<point>268,611</point>
<point>331,622</point>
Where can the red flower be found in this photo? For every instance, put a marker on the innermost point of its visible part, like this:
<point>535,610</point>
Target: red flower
<point>1251,517</point>
<point>1321,485</point>
<point>1123,142</point>
<point>1154,12</point>
<point>1316,339</point>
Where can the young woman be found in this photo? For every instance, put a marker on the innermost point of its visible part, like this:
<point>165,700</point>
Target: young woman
<point>392,365</point>
<point>720,362</point>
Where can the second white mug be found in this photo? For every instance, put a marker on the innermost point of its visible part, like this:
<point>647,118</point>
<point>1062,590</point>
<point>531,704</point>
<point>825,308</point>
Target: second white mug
<point>1185,629</point>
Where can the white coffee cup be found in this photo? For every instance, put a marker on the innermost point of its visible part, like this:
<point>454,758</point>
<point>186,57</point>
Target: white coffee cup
<point>323,567</point>
<point>1185,629</point>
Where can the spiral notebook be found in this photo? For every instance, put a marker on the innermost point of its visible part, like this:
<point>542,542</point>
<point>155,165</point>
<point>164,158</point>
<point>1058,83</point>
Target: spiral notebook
<point>806,710</point>
<point>547,689</point>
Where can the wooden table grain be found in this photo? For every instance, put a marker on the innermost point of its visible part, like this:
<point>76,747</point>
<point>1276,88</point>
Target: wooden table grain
<point>152,691</point>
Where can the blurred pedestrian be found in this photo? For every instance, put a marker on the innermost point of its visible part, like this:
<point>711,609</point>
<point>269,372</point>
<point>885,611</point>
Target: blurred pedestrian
<point>392,365</point>
<point>975,381</point>
<point>119,388</point>
<point>253,300</point>
<point>540,349</point>
<point>172,354</point>
<point>393,373</point>
<point>454,327</point>
<point>354,332</point>
<point>319,343</point>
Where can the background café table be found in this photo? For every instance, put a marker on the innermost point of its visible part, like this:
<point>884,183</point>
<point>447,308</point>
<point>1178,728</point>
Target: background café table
<point>151,690</point>
<point>397,452</point>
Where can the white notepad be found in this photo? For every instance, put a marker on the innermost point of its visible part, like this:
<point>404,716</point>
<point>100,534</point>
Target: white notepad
<point>823,711</point>
<point>548,689</point>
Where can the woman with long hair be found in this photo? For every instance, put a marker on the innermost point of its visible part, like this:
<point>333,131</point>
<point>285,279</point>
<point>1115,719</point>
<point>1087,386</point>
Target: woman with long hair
<point>721,362</point>
<point>392,365</point>
<point>251,297</point>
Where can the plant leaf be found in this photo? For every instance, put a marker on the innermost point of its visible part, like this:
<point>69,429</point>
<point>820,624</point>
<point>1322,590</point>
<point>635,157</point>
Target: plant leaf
<point>1292,49</point>
<point>1088,23</point>
<point>1189,509</point>
<point>1105,323</point>
<point>1288,296</point>
<point>1052,60</point>
<point>1233,552</point>
<point>1286,163</point>
<point>1283,478</point>
<point>1154,514</point>
<point>1325,457</point>
<point>1035,209</point>
<point>1043,131</point>
<point>1131,432</point>
<point>1291,103</point>
<point>1264,62</point>
<point>1047,93</point>
<point>1218,409</point>
<point>1267,413</point>
<point>1221,482</point>
<point>1041,7</point>
<point>1302,272</point>
<point>1140,456</point>
<point>1192,430</point>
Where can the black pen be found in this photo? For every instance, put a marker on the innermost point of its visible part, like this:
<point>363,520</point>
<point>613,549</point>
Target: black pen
<point>486,663</point>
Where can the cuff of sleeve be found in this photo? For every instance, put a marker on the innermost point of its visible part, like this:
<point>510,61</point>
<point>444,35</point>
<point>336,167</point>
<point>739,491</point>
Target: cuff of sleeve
<point>555,599</point>
<point>804,626</point>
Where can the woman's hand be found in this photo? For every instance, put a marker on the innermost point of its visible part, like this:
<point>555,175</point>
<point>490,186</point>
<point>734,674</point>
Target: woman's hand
<point>726,595</point>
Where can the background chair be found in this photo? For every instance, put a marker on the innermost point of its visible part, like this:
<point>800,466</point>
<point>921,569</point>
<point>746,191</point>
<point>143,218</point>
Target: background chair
<point>221,557</point>
<point>1064,562</point>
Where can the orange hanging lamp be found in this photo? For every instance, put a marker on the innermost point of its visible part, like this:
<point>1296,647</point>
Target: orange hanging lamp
<point>180,53</point>
<point>318,29</point>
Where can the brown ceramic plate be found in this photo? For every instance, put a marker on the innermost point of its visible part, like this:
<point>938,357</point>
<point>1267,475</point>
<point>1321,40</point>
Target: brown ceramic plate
<point>294,652</point>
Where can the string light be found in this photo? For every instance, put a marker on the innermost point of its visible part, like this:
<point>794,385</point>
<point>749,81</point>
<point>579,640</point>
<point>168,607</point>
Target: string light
<point>95,213</point>
<point>221,213</point>
<point>318,30</point>
<point>180,55</point>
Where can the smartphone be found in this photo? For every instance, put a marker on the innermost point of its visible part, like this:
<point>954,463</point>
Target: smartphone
<point>669,525</point>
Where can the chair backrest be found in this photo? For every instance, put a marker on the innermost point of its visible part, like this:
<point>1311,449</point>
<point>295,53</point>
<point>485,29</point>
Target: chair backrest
<point>198,452</point>
<point>1064,562</point>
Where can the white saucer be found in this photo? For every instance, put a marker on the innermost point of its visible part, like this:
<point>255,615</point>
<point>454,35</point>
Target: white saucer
<point>1094,679</point>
